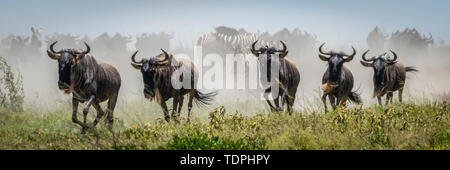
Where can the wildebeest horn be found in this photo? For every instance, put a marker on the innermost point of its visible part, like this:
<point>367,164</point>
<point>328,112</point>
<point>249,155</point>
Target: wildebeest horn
<point>51,47</point>
<point>166,56</point>
<point>284,47</point>
<point>87,50</point>
<point>395,57</point>
<point>320,50</point>
<point>349,57</point>
<point>166,59</point>
<point>352,55</point>
<point>253,50</point>
<point>51,53</point>
<point>283,51</point>
<point>133,58</point>
<point>364,56</point>
<point>253,47</point>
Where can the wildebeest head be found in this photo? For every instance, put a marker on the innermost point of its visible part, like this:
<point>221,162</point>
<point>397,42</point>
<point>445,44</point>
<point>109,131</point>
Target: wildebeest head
<point>379,64</point>
<point>67,58</point>
<point>150,69</point>
<point>335,62</point>
<point>270,53</point>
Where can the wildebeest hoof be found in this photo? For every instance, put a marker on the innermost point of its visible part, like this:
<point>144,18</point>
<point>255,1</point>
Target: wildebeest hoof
<point>167,118</point>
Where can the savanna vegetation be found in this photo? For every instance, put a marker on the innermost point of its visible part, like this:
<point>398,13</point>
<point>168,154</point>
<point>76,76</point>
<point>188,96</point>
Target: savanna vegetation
<point>418,125</point>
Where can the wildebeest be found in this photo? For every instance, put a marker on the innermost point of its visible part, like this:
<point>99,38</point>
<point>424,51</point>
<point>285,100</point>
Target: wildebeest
<point>88,81</point>
<point>288,78</point>
<point>158,72</point>
<point>389,75</point>
<point>337,81</point>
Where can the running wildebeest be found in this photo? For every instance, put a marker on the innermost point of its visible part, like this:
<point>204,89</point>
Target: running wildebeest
<point>337,81</point>
<point>288,78</point>
<point>158,72</point>
<point>389,75</point>
<point>88,81</point>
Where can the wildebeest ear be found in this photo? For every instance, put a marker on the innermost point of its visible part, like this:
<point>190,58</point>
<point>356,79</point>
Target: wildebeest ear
<point>52,55</point>
<point>136,66</point>
<point>323,58</point>
<point>366,64</point>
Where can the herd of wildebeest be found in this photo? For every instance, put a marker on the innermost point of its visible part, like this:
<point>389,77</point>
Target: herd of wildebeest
<point>93,82</point>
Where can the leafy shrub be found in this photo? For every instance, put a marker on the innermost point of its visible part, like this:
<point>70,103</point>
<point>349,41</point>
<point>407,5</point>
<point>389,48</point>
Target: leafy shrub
<point>11,88</point>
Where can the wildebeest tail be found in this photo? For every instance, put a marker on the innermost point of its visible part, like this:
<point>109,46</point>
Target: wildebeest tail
<point>355,97</point>
<point>411,69</point>
<point>202,99</point>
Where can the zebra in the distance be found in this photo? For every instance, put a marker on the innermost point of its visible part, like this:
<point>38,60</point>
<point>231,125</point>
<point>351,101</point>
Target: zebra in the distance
<point>235,43</point>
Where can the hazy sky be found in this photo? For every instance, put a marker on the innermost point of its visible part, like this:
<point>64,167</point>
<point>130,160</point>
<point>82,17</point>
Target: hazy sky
<point>332,20</point>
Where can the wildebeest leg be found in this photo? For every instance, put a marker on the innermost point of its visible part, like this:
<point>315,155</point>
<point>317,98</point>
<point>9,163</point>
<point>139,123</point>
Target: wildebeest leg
<point>86,108</point>
<point>100,114</point>
<point>174,107</point>
<point>191,98</point>
<point>111,105</point>
<point>165,110</point>
<point>290,102</point>
<point>338,100</point>
<point>332,101</point>
<point>74,115</point>
<point>276,101</point>
<point>180,104</point>
<point>388,97</point>
<point>273,109</point>
<point>266,96</point>
<point>379,100</point>
<point>343,101</point>
<point>400,93</point>
<point>391,98</point>
<point>324,100</point>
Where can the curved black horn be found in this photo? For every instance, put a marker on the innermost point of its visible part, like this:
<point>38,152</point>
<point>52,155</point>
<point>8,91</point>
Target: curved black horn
<point>253,46</point>
<point>88,48</point>
<point>51,47</point>
<point>349,57</point>
<point>166,56</point>
<point>395,57</point>
<point>284,47</point>
<point>320,50</point>
<point>364,56</point>
<point>133,58</point>
<point>352,55</point>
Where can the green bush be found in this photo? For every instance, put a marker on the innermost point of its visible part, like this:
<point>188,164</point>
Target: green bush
<point>11,88</point>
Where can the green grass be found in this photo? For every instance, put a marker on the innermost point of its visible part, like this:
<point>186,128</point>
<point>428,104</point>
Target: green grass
<point>410,125</point>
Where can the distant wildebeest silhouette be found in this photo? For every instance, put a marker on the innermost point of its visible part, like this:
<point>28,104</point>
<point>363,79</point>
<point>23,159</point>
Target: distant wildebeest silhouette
<point>337,81</point>
<point>389,75</point>
<point>88,81</point>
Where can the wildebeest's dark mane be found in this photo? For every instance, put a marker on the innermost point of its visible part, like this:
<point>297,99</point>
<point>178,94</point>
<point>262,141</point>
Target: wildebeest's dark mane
<point>163,77</point>
<point>85,72</point>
